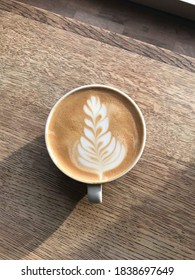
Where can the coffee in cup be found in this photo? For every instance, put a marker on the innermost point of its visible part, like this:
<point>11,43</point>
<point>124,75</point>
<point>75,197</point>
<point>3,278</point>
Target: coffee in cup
<point>95,134</point>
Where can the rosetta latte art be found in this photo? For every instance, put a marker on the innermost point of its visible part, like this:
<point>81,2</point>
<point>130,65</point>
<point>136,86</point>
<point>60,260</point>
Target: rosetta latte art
<point>98,150</point>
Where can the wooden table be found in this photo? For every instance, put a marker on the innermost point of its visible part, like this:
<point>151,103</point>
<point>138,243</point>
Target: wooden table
<point>147,214</point>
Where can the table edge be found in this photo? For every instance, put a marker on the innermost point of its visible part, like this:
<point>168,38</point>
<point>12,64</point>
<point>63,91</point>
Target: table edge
<point>99,34</point>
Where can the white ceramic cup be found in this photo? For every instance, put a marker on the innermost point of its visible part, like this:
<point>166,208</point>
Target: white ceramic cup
<point>95,190</point>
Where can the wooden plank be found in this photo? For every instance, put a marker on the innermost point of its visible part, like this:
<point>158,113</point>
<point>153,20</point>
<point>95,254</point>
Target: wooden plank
<point>98,34</point>
<point>148,213</point>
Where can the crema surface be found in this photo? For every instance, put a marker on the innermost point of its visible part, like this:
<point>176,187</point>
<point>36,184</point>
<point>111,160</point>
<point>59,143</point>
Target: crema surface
<point>94,135</point>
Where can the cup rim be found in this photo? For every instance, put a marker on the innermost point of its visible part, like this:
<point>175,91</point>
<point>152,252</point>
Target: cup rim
<point>106,87</point>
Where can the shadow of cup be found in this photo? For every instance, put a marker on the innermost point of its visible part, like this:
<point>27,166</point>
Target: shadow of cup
<point>36,198</point>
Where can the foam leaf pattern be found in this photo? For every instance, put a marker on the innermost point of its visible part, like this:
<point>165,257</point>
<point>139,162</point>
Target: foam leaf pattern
<point>98,150</point>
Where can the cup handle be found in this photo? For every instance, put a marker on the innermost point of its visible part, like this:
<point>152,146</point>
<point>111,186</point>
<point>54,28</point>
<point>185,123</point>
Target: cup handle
<point>94,193</point>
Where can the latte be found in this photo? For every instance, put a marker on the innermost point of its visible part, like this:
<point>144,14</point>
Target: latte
<point>94,134</point>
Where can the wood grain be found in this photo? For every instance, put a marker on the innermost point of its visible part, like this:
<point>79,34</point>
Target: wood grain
<point>99,34</point>
<point>147,214</point>
<point>132,20</point>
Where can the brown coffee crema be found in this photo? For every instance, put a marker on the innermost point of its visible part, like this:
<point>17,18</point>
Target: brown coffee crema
<point>95,135</point>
